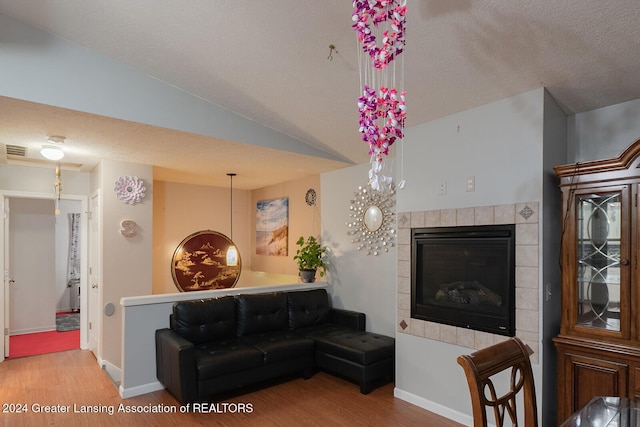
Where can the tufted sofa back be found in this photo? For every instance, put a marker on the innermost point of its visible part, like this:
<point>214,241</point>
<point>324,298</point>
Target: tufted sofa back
<point>204,321</point>
<point>308,308</point>
<point>207,320</point>
<point>259,313</point>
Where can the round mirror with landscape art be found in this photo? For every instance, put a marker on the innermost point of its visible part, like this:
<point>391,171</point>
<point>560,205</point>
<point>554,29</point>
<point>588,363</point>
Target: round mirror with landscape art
<point>199,263</point>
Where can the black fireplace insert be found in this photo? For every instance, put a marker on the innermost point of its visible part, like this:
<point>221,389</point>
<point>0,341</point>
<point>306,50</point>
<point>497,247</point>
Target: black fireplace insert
<point>465,276</point>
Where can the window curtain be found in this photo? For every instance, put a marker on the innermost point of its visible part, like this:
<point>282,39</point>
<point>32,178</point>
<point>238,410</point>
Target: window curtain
<point>73,266</point>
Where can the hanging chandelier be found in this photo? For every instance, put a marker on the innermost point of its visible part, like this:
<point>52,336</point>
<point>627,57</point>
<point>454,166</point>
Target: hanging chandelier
<point>57,190</point>
<point>380,28</point>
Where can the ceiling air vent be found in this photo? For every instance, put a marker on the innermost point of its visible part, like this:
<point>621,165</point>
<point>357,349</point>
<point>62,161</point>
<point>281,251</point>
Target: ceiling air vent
<point>16,150</point>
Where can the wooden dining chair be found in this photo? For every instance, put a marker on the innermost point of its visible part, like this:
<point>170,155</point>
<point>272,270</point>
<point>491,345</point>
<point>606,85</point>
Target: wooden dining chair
<point>512,357</point>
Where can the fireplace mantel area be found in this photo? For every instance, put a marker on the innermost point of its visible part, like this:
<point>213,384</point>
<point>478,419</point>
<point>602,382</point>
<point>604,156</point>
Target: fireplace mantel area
<point>525,218</point>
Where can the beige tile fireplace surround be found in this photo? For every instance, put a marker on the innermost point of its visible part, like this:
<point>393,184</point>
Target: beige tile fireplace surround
<point>525,218</point>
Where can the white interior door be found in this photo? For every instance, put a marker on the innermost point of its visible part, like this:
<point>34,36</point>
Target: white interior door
<point>94,273</point>
<point>8,281</point>
<point>32,244</point>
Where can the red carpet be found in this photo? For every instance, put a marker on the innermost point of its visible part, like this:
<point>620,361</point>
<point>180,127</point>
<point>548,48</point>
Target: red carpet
<point>43,342</point>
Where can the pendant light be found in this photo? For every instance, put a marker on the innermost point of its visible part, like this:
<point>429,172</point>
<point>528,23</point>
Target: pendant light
<point>232,252</point>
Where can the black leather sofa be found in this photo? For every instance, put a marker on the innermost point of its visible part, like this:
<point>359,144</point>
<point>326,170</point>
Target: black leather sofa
<point>221,344</point>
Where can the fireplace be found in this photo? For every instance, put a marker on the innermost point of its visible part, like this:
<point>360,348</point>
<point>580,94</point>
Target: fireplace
<point>465,277</point>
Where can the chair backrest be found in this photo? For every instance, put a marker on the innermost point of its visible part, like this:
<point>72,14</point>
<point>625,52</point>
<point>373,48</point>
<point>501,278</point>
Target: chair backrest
<point>482,365</point>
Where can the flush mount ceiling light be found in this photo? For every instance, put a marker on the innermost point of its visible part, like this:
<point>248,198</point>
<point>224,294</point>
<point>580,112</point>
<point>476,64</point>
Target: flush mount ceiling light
<point>52,152</point>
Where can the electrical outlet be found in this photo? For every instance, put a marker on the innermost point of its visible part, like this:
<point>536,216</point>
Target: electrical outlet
<point>471,183</point>
<point>443,188</point>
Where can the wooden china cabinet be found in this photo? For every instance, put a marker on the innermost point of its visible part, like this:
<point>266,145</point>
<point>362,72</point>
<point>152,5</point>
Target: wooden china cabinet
<point>599,342</point>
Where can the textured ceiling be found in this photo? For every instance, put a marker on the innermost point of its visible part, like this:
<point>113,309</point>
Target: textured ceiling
<point>268,61</point>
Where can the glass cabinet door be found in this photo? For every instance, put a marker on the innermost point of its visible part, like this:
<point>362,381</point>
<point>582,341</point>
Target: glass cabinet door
<point>599,231</point>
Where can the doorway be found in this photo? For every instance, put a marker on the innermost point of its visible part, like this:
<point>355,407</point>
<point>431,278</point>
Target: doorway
<point>36,257</point>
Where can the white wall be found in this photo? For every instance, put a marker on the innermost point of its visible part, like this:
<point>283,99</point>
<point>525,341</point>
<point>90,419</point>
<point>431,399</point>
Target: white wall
<point>603,133</point>
<point>500,144</point>
<point>357,281</point>
<point>40,180</point>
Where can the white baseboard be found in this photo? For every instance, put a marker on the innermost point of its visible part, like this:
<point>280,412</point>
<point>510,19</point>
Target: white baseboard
<point>112,370</point>
<point>436,408</point>
<point>32,330</point>
<point>125,393</point>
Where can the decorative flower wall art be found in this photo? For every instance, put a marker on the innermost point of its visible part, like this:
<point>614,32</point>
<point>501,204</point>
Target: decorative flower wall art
<point>391,12</point>
<point>130,189</point>
<point>388,106</point>
<point>380,29</point>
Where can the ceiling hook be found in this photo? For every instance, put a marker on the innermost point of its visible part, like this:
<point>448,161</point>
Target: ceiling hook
<point>331,49</point>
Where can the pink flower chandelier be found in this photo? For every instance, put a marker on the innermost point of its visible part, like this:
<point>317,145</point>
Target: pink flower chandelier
<point>380,26</point>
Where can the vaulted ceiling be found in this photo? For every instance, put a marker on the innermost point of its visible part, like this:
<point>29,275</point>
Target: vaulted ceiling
<point>270,62</point>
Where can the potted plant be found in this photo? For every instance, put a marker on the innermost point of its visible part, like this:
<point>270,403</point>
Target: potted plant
<point>309,258</point>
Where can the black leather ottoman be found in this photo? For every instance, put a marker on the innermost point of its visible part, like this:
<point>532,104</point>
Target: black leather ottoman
<point>364,357</point>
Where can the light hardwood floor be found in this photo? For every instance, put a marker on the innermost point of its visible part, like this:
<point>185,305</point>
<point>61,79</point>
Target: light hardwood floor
<point>72,380</point>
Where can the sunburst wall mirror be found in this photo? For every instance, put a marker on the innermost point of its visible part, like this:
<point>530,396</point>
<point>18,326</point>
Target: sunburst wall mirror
<point>372,224</point>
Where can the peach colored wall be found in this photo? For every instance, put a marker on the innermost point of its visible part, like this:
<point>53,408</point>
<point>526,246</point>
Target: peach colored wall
<point>182,209</point>
<point>303,220</point>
